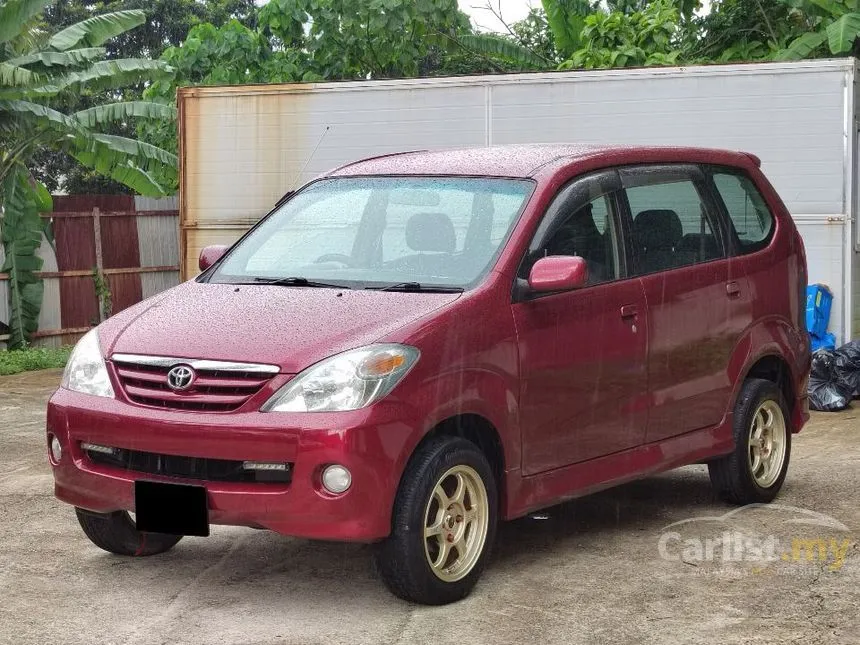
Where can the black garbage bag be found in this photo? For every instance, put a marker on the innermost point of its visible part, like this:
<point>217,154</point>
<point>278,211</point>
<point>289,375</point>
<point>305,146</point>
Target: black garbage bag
<point>847,366</point>
<point>827,393</point>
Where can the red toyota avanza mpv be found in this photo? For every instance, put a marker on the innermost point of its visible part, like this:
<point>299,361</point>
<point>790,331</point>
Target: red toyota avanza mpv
<point>413,347</point>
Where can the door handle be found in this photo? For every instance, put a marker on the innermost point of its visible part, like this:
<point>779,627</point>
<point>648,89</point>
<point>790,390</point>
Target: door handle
<point>733,289</point>
<point>629,311</point>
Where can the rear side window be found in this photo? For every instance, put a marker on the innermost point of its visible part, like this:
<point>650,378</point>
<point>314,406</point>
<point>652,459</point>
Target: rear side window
<point>671,223</point>
<point>750,216</point>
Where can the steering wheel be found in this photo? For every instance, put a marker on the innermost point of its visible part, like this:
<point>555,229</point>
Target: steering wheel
<point>334,257</point>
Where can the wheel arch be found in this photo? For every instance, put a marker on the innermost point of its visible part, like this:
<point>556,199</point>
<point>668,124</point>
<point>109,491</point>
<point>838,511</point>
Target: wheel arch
<point>774,368</point>
<point>773,350</point>
<point>481,432</point>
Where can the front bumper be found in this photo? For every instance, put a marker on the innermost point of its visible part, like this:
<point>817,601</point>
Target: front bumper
<point>372,443</point>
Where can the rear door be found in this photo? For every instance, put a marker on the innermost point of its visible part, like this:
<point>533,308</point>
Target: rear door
<point>751,227</point>
<point>582,353</point>
<point>680,254</point>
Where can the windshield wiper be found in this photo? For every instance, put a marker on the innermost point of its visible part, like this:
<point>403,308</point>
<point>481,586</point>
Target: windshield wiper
<point>417,286</point>
<point>297,281</point>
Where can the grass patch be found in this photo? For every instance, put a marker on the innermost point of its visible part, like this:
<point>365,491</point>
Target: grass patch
<point>33,358</point>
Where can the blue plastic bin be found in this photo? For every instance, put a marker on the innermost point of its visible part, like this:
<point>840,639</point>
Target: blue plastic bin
<point>828,341</point>
<point>818,302</point>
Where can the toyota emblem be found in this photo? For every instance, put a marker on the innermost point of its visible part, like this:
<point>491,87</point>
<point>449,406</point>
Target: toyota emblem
<point>180,377</point>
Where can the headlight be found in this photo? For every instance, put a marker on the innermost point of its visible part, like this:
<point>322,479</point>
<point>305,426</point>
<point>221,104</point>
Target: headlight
<point>86,371</point>
<point>347,381</point>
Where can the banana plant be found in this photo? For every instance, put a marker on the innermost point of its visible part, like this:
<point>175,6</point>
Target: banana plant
<point>38,73</point>
<point>835,22</point>
<point>21,236</point>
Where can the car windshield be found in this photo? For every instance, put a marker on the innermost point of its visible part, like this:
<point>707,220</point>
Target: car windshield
<point>395,232</point>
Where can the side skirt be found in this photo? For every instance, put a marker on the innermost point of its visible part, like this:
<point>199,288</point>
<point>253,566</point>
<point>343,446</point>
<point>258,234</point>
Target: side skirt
<point>527,494</point>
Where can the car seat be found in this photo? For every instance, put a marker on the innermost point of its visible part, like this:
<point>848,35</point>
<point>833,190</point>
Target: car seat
<point>657,234</point>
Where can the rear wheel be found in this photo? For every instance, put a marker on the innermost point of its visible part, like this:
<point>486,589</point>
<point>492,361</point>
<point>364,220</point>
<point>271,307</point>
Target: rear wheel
<point>116,533</point>
<point>444,524</point>
<point>756,470</point>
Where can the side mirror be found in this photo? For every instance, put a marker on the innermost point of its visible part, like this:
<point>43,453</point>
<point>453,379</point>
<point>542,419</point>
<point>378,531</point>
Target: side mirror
<point>558,273</point>
<point>210,255</point>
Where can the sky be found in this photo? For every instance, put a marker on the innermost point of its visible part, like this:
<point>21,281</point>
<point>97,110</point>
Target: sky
<point>510,10</point>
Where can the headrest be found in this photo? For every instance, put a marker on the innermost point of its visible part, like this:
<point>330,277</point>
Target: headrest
<point>431,232</point>
<point>658,229</point>
<point>581,224</point>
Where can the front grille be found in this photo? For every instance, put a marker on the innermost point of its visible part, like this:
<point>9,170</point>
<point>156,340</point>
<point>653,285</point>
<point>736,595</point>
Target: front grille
<point>216,470</point>
<point>216,386</point>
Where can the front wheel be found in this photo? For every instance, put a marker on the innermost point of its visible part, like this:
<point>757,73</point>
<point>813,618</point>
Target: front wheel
<point>116,533</point>
<point>756,470</point>
<point>444,524</point>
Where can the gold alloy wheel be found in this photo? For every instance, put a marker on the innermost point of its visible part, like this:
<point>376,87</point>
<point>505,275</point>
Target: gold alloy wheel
<point>455,523</point>
<point>767,444</point>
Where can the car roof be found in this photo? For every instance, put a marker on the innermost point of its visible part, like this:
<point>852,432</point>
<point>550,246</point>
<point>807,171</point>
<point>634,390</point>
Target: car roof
<point>530,159</point>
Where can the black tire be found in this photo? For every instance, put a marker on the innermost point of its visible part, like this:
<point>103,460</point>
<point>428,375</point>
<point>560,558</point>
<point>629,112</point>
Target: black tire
<point>731,476</point>
<point>115,532</point>
<point>401,559</point>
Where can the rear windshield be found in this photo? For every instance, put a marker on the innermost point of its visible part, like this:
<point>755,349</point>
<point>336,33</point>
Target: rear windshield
<point>373,231</point>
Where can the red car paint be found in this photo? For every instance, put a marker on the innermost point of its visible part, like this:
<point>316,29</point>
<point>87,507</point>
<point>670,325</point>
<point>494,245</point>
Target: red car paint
<point>557,273</point>
<point>585,389</point>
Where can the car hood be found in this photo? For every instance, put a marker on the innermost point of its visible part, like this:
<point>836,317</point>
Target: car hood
<point>292,327</point>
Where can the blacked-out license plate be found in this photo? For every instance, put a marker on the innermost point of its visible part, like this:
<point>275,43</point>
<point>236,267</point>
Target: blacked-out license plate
<point>178,509</point>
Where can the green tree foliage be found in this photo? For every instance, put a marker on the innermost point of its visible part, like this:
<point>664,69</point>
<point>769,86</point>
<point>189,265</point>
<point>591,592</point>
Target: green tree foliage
<point>306,40</point>
<point>228,55</point>
<point>533,32</point>
<point>566,19</point>
<point>167,21</point>
<point>586,35</point>
<point>40,73</point>
<point>298,40</point>
<point>650,36</point>
<point>686,8</point>
<point>528,44</point>
<point>834,23</point>
<point>743,30</point>
<point>167,24</point>
<point>362,38</point>
<point>21,235</point>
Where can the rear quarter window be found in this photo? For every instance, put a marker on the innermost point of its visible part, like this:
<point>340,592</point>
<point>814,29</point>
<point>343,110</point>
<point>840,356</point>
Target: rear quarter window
<point>751,218</point>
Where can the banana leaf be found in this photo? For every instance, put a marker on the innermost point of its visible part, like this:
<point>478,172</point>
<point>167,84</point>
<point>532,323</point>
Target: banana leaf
<point>21,233</point>
<point>15,14</point>
<point>97,30</point>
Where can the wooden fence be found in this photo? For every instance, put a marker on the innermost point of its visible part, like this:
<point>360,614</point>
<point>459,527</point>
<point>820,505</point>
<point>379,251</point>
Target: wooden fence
<point>132,242</point>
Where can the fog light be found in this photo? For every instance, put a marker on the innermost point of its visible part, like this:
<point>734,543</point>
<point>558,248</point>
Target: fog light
<point>56,449</point>
<point>336,479</point>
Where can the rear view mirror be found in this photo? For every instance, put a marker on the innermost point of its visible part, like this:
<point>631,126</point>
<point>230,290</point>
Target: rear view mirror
<point>210,255</point>
<point>558,272</point>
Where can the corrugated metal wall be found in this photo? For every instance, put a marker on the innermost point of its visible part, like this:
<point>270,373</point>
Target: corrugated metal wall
<point>855,290</point>
<point>791,115</point>
<point>139,257</point>
<point>158,239</point>
<point>852,245</point>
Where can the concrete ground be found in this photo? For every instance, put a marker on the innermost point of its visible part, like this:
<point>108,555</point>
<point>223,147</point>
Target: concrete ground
<point>605,568</point>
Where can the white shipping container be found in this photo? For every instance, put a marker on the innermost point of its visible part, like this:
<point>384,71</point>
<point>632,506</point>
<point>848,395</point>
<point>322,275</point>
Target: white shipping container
<point>243,147</point>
